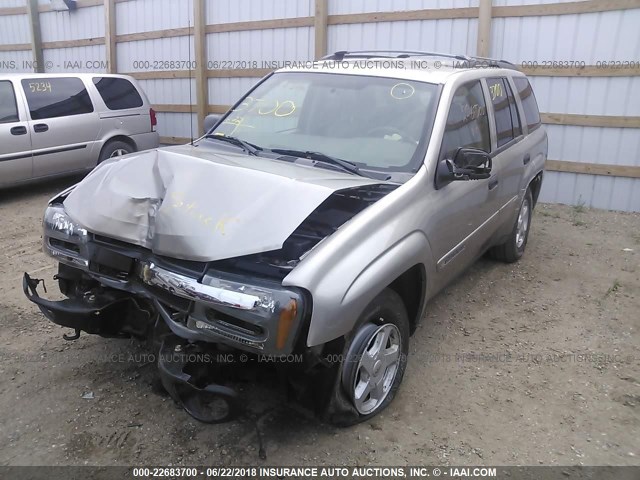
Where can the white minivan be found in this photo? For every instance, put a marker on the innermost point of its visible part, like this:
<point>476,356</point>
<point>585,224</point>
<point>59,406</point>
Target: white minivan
<point>57,124</point>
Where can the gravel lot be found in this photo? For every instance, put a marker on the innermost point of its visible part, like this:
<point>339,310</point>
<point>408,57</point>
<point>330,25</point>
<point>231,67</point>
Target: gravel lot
<point>526,364</point>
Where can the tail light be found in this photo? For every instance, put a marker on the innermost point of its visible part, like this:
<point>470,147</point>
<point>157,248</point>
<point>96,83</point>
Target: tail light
<point>154,120</point>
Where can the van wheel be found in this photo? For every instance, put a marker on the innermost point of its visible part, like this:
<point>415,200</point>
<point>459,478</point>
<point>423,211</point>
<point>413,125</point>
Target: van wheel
<point>374,362</point>
<point>115,148</point>
<point>513,248</point>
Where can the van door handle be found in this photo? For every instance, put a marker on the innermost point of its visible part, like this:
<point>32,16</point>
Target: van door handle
<point>18,131</point>
<point>40,127</point>
<point>526,159</point>
<point>493,184</point>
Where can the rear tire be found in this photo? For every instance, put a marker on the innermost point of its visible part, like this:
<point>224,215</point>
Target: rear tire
<point>513,249</point>
<point>374,362</point>
<point>115,148</point>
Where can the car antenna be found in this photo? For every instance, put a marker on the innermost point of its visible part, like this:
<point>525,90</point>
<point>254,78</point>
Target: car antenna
<point>190,85</point>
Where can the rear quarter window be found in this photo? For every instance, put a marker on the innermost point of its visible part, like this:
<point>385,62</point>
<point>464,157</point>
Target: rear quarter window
<point>56,97</point>
<point>118,93</point>
<point>529,104</point>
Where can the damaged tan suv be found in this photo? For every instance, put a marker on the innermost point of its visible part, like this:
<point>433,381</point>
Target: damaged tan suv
<point>311,224</point>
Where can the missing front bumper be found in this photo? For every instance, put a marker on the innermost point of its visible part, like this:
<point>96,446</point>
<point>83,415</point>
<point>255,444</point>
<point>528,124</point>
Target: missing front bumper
<point>111,314</point>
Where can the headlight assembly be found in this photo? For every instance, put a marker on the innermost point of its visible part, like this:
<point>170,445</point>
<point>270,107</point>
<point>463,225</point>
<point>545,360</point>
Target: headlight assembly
<point>257,313</point>
<point>63,238</point>
<point>57,222</point>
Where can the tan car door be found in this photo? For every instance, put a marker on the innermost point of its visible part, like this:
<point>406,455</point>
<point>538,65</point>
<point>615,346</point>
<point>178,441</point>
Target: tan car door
<point>16,162</point>
<point>468,219</point>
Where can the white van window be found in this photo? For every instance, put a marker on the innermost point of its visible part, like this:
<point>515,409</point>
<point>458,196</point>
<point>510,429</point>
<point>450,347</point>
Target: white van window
<point>56,97</point>
<point>8,108</point>
<point>117,93</point>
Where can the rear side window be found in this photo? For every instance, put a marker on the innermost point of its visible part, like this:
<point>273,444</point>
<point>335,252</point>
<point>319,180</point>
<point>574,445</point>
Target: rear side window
<point>467,123</point>
<point>529,104</point>
<point>56,97</point>
<point>502,114</point>
<point>118,93</point>
<point>506,112</point>
<point>8,107</point>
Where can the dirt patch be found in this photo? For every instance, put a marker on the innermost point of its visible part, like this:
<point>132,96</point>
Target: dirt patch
<point>532,363</point>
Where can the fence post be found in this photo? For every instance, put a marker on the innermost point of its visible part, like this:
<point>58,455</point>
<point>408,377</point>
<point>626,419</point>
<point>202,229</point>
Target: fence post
<point>36,38</point>
<point>320,28</point>
<point>110,35</point>
<point>483,46</point>
<point>200,41</point>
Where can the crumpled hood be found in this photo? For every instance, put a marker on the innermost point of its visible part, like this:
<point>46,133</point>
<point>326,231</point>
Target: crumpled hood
<point>192,203</point>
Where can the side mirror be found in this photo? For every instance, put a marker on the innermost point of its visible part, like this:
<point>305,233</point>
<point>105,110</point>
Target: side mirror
<point>210,121</point>
<point>467,164</point>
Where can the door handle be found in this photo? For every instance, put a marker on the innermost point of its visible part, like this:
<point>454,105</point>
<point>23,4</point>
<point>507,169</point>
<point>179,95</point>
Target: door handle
<point>493,184</point>
<point>40,127</point>
<point>18,131</point>
<point>526,159</point>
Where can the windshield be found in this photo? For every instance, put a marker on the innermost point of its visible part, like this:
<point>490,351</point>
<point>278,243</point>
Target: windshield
<point>375,123</point>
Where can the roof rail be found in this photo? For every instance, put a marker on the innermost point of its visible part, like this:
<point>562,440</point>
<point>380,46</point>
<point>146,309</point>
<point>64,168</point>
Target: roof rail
<point>341,55</point>
<point>472,61</point>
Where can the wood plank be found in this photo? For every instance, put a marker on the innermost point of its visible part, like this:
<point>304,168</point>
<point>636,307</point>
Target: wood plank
<point>484,28</point>
<point>628,171</point>
<point>175,140</point>
<point>200,42</point>
<point>83,42</point>
<point>15,47</point>
<point>160,74</point>
<point>155,34</point>
<point>110,35</point>
<point>590,120</point>
<point>174,108</point>
<point>36,36</point>
<point>320,28</point>
<point>261,25</point>
<point>181,108</point>
<point>568,8</point>
<point>428,14</point>
<point>219,108</point>
<point>13,11</point>
<point>586,71</point>
<point>177,108</point>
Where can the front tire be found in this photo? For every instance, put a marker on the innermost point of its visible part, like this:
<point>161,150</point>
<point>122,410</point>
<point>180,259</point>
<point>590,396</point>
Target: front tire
<point>513,249</point>
<point>374,362</point>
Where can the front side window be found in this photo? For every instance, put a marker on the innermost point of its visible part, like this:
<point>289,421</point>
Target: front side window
<point>467,124</point>
<point>56,97</point>
<point>377,123</point>
<point>529,104</point>
<point>8,106</point>
<point>117,93</point>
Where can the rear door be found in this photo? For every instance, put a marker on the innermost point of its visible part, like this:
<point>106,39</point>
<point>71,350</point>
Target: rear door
<point>510,154</point>
<point>15,139</point>
<point>64,124</point>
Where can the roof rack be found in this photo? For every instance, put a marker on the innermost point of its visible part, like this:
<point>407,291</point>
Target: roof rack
<point>341,55</point>
<point>473,61</point>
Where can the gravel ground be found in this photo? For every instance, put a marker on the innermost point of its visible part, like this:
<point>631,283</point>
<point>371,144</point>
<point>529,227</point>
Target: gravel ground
<point>525,364</point>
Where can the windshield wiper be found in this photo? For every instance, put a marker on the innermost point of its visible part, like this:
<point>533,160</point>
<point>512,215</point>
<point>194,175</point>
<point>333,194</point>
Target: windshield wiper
<point>321,157</point>
<point>250,148</point>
